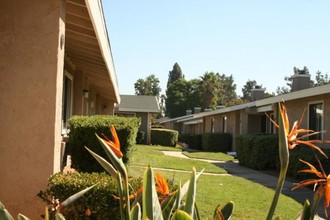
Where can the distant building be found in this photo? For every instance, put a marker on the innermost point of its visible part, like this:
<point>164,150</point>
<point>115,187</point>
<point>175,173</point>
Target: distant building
<point>141,106</point>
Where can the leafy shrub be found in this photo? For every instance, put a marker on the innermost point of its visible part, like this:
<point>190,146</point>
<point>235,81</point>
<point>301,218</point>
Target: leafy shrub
<point>306,154</point>
<point>82,133</point>
<point>258,152</point>
<point>140,137</point>
<point>100,201</point>
<point>194,141</point>
<point>164,137</point>
<point>217,142</point>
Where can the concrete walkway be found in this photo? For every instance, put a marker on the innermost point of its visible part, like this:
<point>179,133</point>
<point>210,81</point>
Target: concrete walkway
<point>267,180</point>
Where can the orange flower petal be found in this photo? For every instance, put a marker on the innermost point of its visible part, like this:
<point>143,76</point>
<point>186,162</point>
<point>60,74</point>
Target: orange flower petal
<point>312,170</point>
<point>115,144</point>
<point>310,144</point>
<point>161,183</point>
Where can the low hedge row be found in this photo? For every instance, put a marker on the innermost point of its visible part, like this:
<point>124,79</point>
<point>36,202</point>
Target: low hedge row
<point>100,200</point>
<point>164,137</point>
<point>194,141</point>
<point>307,154</point>
<point>258,152</point>
<point>82,133</point>
<point>217,142</point>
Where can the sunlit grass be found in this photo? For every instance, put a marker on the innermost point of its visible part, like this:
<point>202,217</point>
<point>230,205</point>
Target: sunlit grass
<point>144,155</point>
<point>208,155</point>
<point>252,200</point>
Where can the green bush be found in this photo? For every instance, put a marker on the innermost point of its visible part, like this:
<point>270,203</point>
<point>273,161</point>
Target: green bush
<point>258,152</point>
<point>100,200</point>
<point>164,137</point>
<point>82,133</point>
<point>140,137</point>
<point>194,141</point>
<point>217,142</point>
<point>307,154</point>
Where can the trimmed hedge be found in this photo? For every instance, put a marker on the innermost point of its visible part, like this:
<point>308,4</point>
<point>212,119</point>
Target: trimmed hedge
<point>99,200</point>
<point>164,137</point>
<point>82,133</point>
<point>217,142</point>
<point>258,152</point>
<point>194,141</point>
<point>307,154</point>
<point>140,137</point>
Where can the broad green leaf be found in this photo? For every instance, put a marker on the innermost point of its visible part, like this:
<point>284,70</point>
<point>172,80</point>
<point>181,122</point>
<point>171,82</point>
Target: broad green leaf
<point>181,215</point>
<point>76,196</point>
<point>284,161</point>
<point>196,213</point>
<point>117,162</point>
<point>22,217</point>
<point>168,205</point>
<point>178,197</point>
<point>104,163</point>
<point>46,213</point>
<point>4,214</point>
<point>306,212</point>
<point>59,216</point>
<point>191,194</point>
<point>228,210</point>
<point>185,186</point>
<point>151,206</point>
<point>135,212</point>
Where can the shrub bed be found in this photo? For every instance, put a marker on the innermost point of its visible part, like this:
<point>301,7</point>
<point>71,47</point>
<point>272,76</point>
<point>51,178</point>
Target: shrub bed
<point>307,154</point>
<point>99,200</point>
<point>216,142</point>
<point>194,141</point>
<point>257,151</point>
<point>82,133</point>
<point>164,137</point>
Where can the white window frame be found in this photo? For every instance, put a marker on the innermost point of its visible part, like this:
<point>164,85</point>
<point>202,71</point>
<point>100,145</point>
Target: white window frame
<point>308,118</point>
<point>224,123</point>
<point>70,112</point>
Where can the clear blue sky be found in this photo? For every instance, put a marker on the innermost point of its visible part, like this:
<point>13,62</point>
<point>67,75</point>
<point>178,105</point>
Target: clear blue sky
<point>251,40</point>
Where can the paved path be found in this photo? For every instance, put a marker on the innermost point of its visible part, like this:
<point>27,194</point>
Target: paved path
<point>267,180</point>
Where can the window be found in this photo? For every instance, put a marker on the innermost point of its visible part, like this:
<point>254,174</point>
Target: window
<point>67,100</point>
<point>224,123</point>
<point>212,125</point>
<point>316,119</point>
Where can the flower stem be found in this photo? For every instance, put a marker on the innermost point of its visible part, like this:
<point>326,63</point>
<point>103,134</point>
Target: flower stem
<point>284,160</point>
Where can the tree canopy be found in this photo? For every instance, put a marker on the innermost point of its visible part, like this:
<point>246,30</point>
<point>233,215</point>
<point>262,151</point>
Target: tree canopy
<point>175,74</point>
<point>147,86</point>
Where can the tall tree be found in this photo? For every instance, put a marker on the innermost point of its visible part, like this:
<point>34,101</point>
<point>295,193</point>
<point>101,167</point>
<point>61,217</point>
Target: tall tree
<point>247,89</point>
<point>227,93</point>
<point>194,94</point>
<point>321,79</point>
<point>210,87</point>
<point>175,74</point>
<point>147,86</point>
<point>177,98</point>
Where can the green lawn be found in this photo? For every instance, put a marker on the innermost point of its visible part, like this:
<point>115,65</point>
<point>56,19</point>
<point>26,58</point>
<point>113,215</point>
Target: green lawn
<point>209,155</point>
<point>145,155</point>
<point>252,200</point>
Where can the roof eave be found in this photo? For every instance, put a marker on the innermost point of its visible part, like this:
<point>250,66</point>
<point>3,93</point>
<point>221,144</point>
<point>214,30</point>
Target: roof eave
<point>96,15</point>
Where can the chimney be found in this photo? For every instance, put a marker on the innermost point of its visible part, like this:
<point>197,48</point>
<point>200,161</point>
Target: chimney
<point>188,112</point>
<point>257,93</point>
<point>300,79</point>
<point>197,110</point>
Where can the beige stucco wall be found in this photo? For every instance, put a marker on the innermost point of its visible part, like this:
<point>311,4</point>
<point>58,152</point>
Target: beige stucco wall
<point>295,109</point>
<point>31,69</point>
